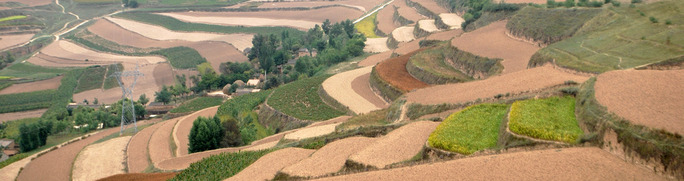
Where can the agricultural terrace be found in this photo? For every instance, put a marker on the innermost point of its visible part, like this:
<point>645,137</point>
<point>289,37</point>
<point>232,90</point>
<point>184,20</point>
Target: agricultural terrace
<point>156,76</point>
<point>470,130</point>
<point>376,45</point>
<point>534,79</point>
<point>525,1</point>
<point>367,26</point>
<point>94,79</point>
<point>341,87</point>
<point>359,5</point>
<point>546,26</point>
<point>244,21</point>
<point>385,19</point>
<point>5,117</point>
<point>446,64</point>
<point>11,40</point>
<point>221,166</point>
<point>300,99</point>
<point>428,25</point>
<point>52,83</point>
<point>621,38</point>
<point>182,57</point>
<point>26,101</point>
<point>68,54</point>
<point>403,34</point>
<point>432,6</point>
<point>549,119</point>
<point>197,104</point>
<point>266,167</point>
<point>182,129</point>
<point>30,71</point>
<point>101,159</point>
<point>394,72</point>
<point>329,159</point>
<point>644,97</point>
<point>399,145</point>
<point>491,41</point>
<point>181,31</point>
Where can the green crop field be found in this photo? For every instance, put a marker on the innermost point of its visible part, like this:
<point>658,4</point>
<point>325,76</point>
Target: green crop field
<point>177,25</point>
<point>5,84</point>
<point>111,82</point>
<point>367,26</point>
<point>621,38</point>
<point>221,166</point>
<point>300,99</point>
<point>182,57</point>
<point>30,71</point>
<point>26,101</point>
<point>10,18</point>
<point>247,102</point>
<point>550,119</point>
<point>94,80</point>
<point>549,25</point>
<point>197,104</point>
<point>470,130</point>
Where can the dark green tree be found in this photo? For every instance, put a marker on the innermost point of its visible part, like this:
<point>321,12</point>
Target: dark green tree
<point>143,99</point>
<point>163,96</point>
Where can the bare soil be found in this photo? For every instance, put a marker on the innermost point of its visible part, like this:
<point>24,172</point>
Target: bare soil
<point>11,40</point>
<point>159,147</point>
<point>394,72</point>
<point>361,86</point>
<point>646,97</point>
<point>445,35</point>
<point>52,83</point>
<point>428,25</point>
<point>69,50</point>
<point>244,21</point>
<point>403,34</point>
<point>397,146</point>
<point>406,11</point>
<point>43,167</point>
<point>361,5</point>
<point>385,19</point>
<point>147,84</point>
<point>452,20</point>
<point>6,117</point>
<point>182,129</point>
<point>268,166</point>
<point>240,41</point>
<point>163,74</point>
<point>583,163</point>
<point>491,41</point>
<point>376,45</point>
<point>432,6</point>
<point>137,153</point>
<point>407,47</point>
<point>375,59</point>
<point>101,160</point>
<point>141,177</point>
<point>312,132</point>
<point>527,80</point>
<point>329,159</point>
<point>340,88</point>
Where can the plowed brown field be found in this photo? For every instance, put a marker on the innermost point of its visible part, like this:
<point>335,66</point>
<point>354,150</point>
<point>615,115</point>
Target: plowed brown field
<point>491,41</point>
<point>376,45</point>
<point>646,97</point>
<point>181,131</point>
<point>397,146</point>
<point>267,166</point>
<point>52,83</point>
<point>385,19</point>
<point>361,5</point>
<point>407,47</point>
<point>394,72</point>
<point>527,80</point>
<point>55,165</point>
<point>361,86</point>
<point>329,159</point>
<point>159,147</point>
<point>445,35</point>
<point>584,163</point>
<point>311,132</point>
<point>406,11</point>
<point>137,153</point>
<point>375,59</point>
<point>4,117</point>
<point>11,40</point>
<point>243,21</point>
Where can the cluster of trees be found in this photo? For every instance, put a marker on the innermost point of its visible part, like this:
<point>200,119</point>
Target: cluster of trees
<point>34,135</point>
<point>475,8</point>
<point>212,133</point>
<point>571,3</point>
<point>6,60</point>
<point>130,3</point>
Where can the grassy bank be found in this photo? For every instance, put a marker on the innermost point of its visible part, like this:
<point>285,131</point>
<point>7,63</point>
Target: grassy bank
<point>181,57</point>
<point>549,25</point>
<point>197,104</point>
<point>300,99</point>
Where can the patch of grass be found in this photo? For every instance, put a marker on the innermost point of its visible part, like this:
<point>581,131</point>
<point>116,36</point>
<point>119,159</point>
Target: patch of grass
<point>470,130</point>
<point>5,84</point>
<point>10,18</point>
<point>233,107</point>
<point>447,64</point>
<point>111,82</point>
<point>182,57</point>
<point>177,25</point>
<point>300,99</point>
<point>367,26</point>
<point>11,130</point>
<point>619,38</point>
<point>221,166</point>
<point>549,25</point>
<point>550,119</point>
<point>30,71</point>
<point>51,141</point>
<point>26,101</point>
<point>197,104</point>
<point>94,79</point>
<point>374,118</point>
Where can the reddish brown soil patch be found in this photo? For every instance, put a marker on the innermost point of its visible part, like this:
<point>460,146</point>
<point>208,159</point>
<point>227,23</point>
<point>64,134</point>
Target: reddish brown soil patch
<point>329,159</point>
<point>397,146</point>
<point>159,147</point>
<point>432,6</point>
<point>445,35</point>
<point>141,177</point>
<point>31,2</point>
<point>527,80</point>
<point>4,117</point>
<point>375,59</point>
<point>492,41</point>
<point>407,11</point>
<point>267,166</point>
<point>647,97</point>
<point>183,127</point>
<point>361,86</point>
<point>137,152</point>
<point>163,74</point>
<point>385,19</point>
<point>571,163</point>
<point>407,47</point>
<point>394,72</point>
<point>52,83</point>
<point>56,165</point>
<point>11,40</point>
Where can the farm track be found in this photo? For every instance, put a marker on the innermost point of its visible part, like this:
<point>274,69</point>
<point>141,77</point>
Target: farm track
<point>646,97</point>
<point>56,165</point>
<point>181,130</point>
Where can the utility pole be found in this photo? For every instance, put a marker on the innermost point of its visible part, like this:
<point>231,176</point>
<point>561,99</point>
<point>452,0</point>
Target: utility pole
<point>127,105</point>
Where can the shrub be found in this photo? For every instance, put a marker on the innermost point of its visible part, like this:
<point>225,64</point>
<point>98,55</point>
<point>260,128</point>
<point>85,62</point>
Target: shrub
<point>473,129</point>
<point>668,22</point>
<point>636,1</point>
<point>206,134</point>
<point>653,19</point>
<point>615,3</point>
<point>550,119</point>
<point>232,136</point>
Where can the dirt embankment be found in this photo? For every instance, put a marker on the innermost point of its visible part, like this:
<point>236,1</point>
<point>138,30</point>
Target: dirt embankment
<point>646,97</point>
<point>527,80</point>
<point>491,41</point>
<point>585,163</point>
<point>101,160</point>
<point>267,166</point>
<point>52,83</point>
